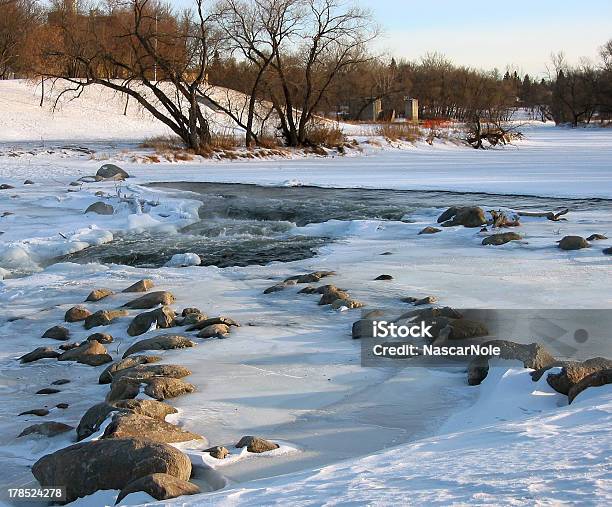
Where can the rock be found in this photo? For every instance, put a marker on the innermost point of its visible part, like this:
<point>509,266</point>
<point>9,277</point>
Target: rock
<point>106,377</point>
<point>256,444</point>
<point>69,346</point>
<point>143,371</point>
<point>346,303</point>
<point>100,338</point>
<point>92,419</point>
<point>28,182</point>
<point>280,286</point>
<point>362,328</point>
<point>39,353</point>
<point>308,290</point>
<point>140,286</point>
<point>213,320</point>
<point>190,310</point>
<point>62,405</point>
<point>6,186</point>
<point>595,379</point>
<point>384,277</point>
<point>192,319</point>
<point>214,331</point>
<point>532,355</point>
<point>427,300</point>
<point>92,353</point>
<point>98,294</point>
<point>48,429</point>
<point>573,373</point>
<point>161,388</point>
<point>218,452</point>
<point>162,342</point>
<point>573,243</point>
<point>160,487</point>
<point>462,329</point>
<point>151,300</point>
<point>100,208</point>
<point>596,237</point>
<point>76,314</point>
<point>607,251</point>
<point>48,390</point>
<point>111,171</point>
<point>57,333</point>
<point>160,318</point>
<point>60,382</point>
<point>87,467</point>
<point>123,389</point>
<point>41,412</point>
<point>131,425</point>
<point>331,295</point>
<point>432,313</point>
<point>470,216</point>
<point>429,230</point>
<point>103,318</point>
<point>313,277</point>
<point>501,238</point>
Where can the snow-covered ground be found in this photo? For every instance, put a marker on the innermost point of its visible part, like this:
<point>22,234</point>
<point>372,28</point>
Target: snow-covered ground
<point>349,435</point>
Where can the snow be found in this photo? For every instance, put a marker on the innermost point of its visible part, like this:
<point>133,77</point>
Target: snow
<point>349,435</point>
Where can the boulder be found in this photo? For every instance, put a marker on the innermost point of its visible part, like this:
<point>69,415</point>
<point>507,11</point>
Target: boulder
<point>106,377</point>
<point>190,310</point>
<point>192,318</point>
<point>28,182</point>
<point>111,171</point>
<point>161,388</point>
<point>462,329</point>
<point>214,331</point>
<point>48,390</point>
<point>256,444</point>
<point>346,303</point>
<point>470,216</point>
<point>98,294</point>
<point>280,286</point>
<point>533,356</point>
<point>607,251</point>
<point>595,379</point>
<point>103,318</point>
<point>151,300</point>
<point>100,208</point>
<point>308,290</point>
<point>596,237</point>
<point>60,382</point>
<point>362,328</point>
<point>100,338</point>
<point>331,295</point>
<point>40,412</point>
<point>48,429</point>
<point>62,405</point>
<point>144,371</point>
<point>6,186</point>
<point>131,425</point>
<point>76,314</point>
<point>218,452</point>
<point>430,230</point>
<point>427,300</point>
<point>91,352</point>
<point>87,467</point>
<point>162,342</point>
<point>140,286</point>
<point>501,238</point>
<point>57,333</point>
<point>573,243</point>
<point>160,487</point>
<point>384,277</point>
<point>69,345</point>
<point>124,389</point>
<point>213,320</point>
<point>39,353</point>
<point>161,318</point>
<point>573,373</point>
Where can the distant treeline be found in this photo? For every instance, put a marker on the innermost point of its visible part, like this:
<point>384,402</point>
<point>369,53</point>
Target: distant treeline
<point>299,58</point>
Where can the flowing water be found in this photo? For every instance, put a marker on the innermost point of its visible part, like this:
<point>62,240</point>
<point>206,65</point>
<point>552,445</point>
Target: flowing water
<point>242,225</point>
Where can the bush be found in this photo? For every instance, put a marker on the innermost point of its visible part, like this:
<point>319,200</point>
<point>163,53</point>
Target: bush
<point>326,135</point>
<point>163,143</point>
<point>399,132</point>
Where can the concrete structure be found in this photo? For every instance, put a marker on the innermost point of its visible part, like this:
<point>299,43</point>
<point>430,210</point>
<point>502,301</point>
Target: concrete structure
<point>412,109</point>
<point>365,109</point>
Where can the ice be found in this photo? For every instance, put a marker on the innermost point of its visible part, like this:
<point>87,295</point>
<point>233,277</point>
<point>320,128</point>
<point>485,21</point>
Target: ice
<point>184,260</point>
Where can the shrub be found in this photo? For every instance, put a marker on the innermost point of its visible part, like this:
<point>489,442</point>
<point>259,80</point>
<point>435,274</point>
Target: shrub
<point>330,136</point>
<point>399,132</point>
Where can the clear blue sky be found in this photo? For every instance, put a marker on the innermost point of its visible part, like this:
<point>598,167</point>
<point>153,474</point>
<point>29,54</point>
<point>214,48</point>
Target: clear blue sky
<point>492,33</point>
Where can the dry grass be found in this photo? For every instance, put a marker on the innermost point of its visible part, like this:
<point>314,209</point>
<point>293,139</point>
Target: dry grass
<point>399,132</point>
<point>163,143</point>
<point>326,135</point>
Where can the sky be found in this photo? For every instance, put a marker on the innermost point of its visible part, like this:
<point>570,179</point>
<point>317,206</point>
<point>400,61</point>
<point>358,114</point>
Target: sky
<point>487,34</point>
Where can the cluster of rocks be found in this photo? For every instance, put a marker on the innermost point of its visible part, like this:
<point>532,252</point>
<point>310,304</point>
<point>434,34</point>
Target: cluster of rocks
<point>132,451</point>
<point>474,216</point>
<point>330,294</point>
